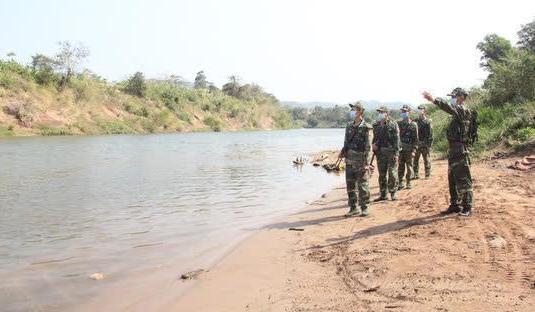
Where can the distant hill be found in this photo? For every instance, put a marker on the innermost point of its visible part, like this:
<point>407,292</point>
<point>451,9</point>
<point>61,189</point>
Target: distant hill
<point>373,104</point>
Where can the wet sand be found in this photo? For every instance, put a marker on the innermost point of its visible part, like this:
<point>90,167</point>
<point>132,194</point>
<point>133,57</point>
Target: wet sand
<point>404,257</point>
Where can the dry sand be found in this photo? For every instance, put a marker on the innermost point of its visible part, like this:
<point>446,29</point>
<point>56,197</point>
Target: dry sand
<point>404,257</point>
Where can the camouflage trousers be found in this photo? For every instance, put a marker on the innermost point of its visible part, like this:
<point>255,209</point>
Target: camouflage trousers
<point>357,179</point>
<point>387,165</point>
<point>405,162</point>
<point>460,180</point>
<point>424,151</point>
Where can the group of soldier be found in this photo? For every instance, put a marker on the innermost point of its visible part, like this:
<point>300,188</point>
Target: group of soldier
<point>398,146</point>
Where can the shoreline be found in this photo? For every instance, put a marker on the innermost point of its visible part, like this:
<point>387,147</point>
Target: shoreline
<point>404,256</point>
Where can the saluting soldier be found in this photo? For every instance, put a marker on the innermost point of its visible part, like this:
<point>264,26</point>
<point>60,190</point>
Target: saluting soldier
<point>461,134</point>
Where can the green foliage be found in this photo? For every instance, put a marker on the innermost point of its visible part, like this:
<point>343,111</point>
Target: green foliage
<point>321,117</point>
<point>232,88</point>
<point>506,123</point>
<point>525,134</point>
<point>214,123</point>
<point>6,131</point>
<point>114,127</point>
<point>13,74</point>
<point>43,70</point>
<point>513,79</point>
<point>92,105</point>
<point>200,81</point>
<point>69,58</point>
<point>494,49</point>
<point>135,85</point>
<point>48,131</point>
<point>283,119</point>
<point>526,37</point>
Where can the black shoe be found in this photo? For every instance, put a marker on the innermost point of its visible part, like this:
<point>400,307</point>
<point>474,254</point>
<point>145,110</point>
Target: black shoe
<point>400,187</point>
<point>393,196</point>
<point>466,212</point>
<point>381,198</point>
<point>415,177</point>
<point>452,209</point>
<point>409,186</point>
<point>364,212</point>
<point>352,212</point>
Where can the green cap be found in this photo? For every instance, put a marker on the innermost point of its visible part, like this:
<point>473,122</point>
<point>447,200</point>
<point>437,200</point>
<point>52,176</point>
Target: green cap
<point>421,106</point>
<point>357,106</point>
<point>382,109</point>
<point>458,91</point>
<point>405,108</point>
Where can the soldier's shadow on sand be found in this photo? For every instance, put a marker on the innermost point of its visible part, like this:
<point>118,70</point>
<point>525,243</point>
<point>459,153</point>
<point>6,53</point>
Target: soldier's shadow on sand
<point>302,223</point>
<point>384,229</point>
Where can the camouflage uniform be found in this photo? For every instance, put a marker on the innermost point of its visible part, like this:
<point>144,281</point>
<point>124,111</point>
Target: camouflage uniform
<point>386,138</point>
<point>459,178</point>
<point>425,141</point>
<point>356,151</point>
<point>408,135</point>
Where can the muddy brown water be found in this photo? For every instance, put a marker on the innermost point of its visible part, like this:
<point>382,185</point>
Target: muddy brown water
<point>121,205</point>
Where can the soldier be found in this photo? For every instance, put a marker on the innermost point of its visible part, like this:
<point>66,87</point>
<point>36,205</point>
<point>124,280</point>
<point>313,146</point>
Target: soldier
<point>408,135</point>
<point>425,141</point>
<point>386,147</point>
<point>356,151</point>
<point>460,135</point>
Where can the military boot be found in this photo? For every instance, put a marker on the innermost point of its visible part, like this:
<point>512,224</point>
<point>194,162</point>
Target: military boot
<point>364,211</point>
<point>452,209</point>
<point>381,198</point>
<point>416,177</point>
<point>401,186</point>
<point>466,212</point>
<point>353,211</point>
<point>409,186</point>
<point>393,196</point>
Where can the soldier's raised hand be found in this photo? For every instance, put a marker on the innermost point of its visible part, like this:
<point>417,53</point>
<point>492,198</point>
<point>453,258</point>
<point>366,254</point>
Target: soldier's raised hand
<point>428,96</point>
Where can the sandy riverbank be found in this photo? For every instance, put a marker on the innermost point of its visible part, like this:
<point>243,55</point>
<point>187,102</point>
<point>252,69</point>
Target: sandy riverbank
<point>403,257</point>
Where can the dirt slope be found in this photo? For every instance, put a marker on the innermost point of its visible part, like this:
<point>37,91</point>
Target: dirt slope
<point>404,257</point>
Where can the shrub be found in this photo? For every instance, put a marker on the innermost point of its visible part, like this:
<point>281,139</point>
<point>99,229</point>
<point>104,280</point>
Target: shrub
<point>214,123</point>
<point>136,85</point>
<point>48,131</point>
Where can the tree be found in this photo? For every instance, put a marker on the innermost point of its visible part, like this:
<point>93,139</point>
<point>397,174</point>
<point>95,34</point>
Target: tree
<point>200,81</point>
<point>136,85</point>
<point>232,87</point>
<point>69,58</point>
<point>494,48</point>
<point>512,80</point>
<point>527,37</point>
<point>43,69</point>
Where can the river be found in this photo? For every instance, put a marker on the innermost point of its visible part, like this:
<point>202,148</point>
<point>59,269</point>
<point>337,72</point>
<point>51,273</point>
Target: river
<point>73,206</point>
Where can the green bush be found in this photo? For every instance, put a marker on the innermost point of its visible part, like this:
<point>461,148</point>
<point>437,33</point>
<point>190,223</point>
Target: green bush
<point>525,134</point>
<point>114,127</point>
<point>48,131</point>
<point>214,123</point>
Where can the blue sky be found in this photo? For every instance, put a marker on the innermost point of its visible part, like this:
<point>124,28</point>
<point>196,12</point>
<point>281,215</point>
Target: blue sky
<point>298,50</point>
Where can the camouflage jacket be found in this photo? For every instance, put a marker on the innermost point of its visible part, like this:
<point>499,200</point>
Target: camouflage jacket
<point>386,136</point>
<point>458,127</point>
<point>425,132</point>
<point>461,117</point>
<point>408,135</point>
<point>357,142</point>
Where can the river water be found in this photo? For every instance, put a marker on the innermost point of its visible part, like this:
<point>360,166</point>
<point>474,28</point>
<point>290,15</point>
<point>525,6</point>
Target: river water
<point>73,206</point>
